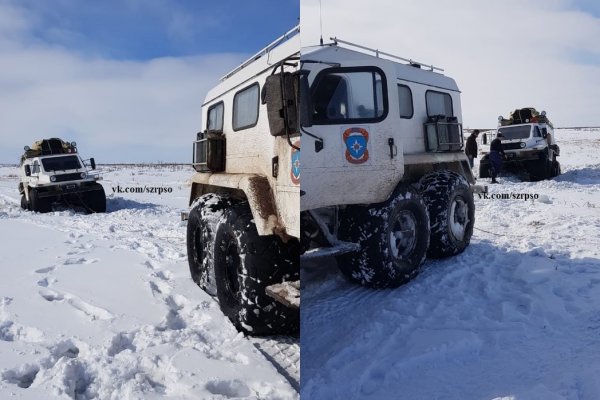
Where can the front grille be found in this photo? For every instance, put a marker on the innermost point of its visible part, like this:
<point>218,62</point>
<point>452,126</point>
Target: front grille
<point>512,146</point>
<point>68,177</point>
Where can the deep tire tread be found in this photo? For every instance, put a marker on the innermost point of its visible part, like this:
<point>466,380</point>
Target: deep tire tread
<point>438,190</point>
<point>374,265</point>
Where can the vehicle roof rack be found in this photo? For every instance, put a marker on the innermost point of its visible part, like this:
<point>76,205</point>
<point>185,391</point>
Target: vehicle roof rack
<point>292,32</point>
<point>378,53</point>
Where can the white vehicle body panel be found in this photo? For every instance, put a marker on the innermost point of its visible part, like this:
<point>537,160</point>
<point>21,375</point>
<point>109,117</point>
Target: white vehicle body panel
<point>328,177</point>
<point>41,177</point>
<point>252,150</point>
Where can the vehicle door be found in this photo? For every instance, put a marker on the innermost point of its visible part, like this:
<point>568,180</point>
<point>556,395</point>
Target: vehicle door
<point>348,153</point>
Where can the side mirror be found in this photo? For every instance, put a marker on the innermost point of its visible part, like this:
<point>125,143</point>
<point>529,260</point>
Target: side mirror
<point>544,133</point>
<point>27,170</point>
<point>279,94</point>
<point>305,101</point>
<point>93,163</point>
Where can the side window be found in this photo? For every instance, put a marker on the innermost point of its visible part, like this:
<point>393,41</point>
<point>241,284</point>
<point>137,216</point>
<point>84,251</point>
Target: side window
<point>215,117</point>
<point>36,168</point>
<point>245,108</point>
<point>341,95</point>
<point>536,132</point>
<point>438,103</point>
<point>406,101</point>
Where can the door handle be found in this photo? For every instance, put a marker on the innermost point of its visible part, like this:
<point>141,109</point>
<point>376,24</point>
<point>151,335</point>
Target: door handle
<point>393,148</point>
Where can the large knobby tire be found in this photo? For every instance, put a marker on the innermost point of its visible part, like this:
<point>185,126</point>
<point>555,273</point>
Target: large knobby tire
<point>539,169</point>
<point>245,264</point>
<point>95,200</point>
<point>393,237</point>
<point>555,169</point>
<point>451,212</point>
<point>24,203</point>
<point>202,222</point>
<point>39,204</point>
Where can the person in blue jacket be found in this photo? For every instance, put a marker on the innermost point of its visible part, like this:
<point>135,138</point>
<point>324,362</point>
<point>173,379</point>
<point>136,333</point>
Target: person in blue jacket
<point>496,156</point>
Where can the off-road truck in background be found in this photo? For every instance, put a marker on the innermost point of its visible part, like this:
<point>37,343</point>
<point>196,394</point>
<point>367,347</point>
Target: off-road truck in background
<point>385,181</point>
<point>52,172</point>
<point>243,226</point>
<point>529,145</point>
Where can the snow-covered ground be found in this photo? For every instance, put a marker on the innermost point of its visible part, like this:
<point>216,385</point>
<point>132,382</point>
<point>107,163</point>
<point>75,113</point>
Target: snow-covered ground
<point>516,316</point>
<point>102,306</point>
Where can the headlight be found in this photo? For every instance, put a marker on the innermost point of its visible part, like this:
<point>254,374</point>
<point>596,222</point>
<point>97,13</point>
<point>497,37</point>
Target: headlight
<point>83,175</point>
<point>53,178</point>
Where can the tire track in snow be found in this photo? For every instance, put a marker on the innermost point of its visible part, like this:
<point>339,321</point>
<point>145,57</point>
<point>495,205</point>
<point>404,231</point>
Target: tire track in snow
<point>140,229</point>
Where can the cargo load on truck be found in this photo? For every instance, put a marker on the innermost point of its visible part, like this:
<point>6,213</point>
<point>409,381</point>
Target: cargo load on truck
<point>529,145</point>
<point>52,172</point>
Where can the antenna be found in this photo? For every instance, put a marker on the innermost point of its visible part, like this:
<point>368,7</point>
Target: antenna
<point>321,23</point>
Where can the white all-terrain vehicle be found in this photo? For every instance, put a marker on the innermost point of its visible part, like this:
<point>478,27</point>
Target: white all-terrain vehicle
<point>384,178</point>
<point>529,145</point>
<point>243,226</point>
<point>52,171</point>
<point>385,181</point>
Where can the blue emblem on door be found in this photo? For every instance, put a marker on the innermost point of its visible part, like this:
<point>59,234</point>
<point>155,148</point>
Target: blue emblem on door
<point>295,171</point>
<point>356,140</point>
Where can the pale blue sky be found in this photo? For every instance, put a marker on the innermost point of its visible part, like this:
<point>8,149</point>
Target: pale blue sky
<point>124,78</point>
<point>503,55</point>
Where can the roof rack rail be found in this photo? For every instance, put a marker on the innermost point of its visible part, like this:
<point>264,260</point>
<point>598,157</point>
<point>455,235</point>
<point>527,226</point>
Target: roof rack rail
<point>266,50</point>
<point>377,53</point>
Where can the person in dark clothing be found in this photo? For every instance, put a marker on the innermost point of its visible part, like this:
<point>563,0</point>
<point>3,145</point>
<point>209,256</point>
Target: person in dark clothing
<point>471,146</point>
<point>496,156</point>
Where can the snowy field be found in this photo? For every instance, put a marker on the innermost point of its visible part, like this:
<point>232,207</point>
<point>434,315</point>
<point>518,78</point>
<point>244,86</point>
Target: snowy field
<point>515,317</point>
<point>101,306</point>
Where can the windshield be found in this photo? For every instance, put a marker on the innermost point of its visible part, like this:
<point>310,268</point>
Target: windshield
<point>515,132</point>
<point>61,163</point>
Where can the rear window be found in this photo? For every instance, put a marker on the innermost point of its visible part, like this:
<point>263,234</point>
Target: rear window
<point>438,103</point>
<point>245,108</point>
<point>215,117</point>
<point>406,101</point>
<point>61,163</point>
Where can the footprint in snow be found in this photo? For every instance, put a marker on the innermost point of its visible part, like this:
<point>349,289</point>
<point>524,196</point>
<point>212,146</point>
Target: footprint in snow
<point>23,377</point>
<point>162,275</point>
<point>45,270</point>
<point>11,332</point>
<point>65,348</point>
<point>229,389</point>
<point>43,282</point>
<point>149,264</point>
<point>174,321</point>
<point>91,311</point>
<point>121,342</point>
<point>159,288</point>
<point>80,260</point>
<point>51,295</point>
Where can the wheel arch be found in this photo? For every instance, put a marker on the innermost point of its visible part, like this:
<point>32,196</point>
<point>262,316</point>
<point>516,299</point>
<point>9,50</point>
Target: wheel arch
<point>415,172</point>
<point>253,188</point>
